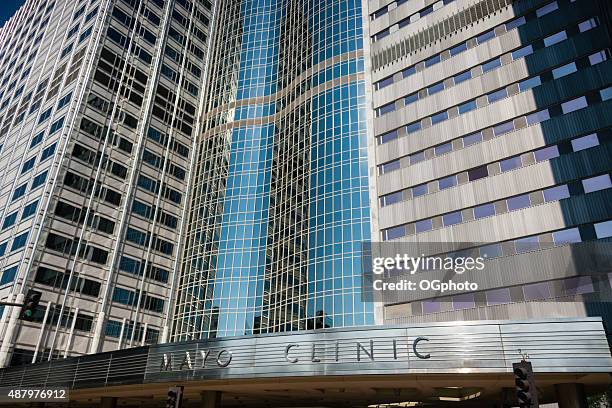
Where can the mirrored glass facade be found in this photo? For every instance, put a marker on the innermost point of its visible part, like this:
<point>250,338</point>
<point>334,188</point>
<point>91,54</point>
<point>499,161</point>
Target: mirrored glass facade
<point>280,202</point>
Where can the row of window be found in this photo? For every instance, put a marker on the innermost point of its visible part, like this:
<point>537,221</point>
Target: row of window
<point>580,285</point>
<point>72,213</point>
<point>90,157</point>
<point>148,211</point>
<point>408,20</point>
<point>560,192</point>
<point>459,48</point>
<point>27,212</point>
<point>83,322</point>
<point>131,298</point>
<point>136,267</point>
<point>86,186</point>
<point>100,132</point>
<point>68,246</point>
<point>113,329</point>
<point>499,130</point>
<point>58,279</point>
<point>546,153</point>
<point>158,162</point>
<point>37,181</point>
<point>153,186</point>
<point>489,66</point>
<point>143,239</point>
<point>163,138</point>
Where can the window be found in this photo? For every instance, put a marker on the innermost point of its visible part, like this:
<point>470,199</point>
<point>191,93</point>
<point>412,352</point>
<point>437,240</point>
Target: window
<point>431,306</point>
<point>411,98</point>
<point>419,190</point>
<point>585,142</point>
<point>464,76</point>
<point>466,107</point>
<point>556,193</point>
<point>587,25</point>
<point>527,244</point>
<point>409,71</point>
<point>606,93</point>
<point>452,218</point>
<point>598,57</point>
<point>603,229</point>
<point>518,202</point>
<point>503,128</point>
<point>484,37</point>
<point>19,241</point>
<point>66,50</point>
<point>9,220</point>
<point>384,83</point>
<point>39,180</point>
<point>383,110</point>
<point>579,285</point>
<point>564,70</point>
<point>597,183</point>
<point>537,291</point>
<point>387,137</point>
<point>485,210</point>
<point>538,117</point>
<point>491,65</point>
<point>391,198</point>
<point>432,61</point>
<point>555,38</point>
<point>29,209</point>
<point>48,152</point>
<point>439,117</point>
<point>56,126</point>
<point>568,236</point>
<point>517,22</point>
<point>434,89</point>
<point>463,301</point>
<point>472,139</point>
<point>393,233</point>
<point>458,49</point>
<point>28,165</point>
<point>8,275</point>
<point>64,101</point>
<point>37,139</point>
<point>442,149</point>
<point>19,192</point>
<point>45,115</point>
<point>416,157</point>
<point>423,225</point>
<point>530,83</point>
<point>447,182</point>
<point>478,173</point>
<point>546,153</point>
<point>389,167</point>
<point>497,95</point>
<point>522,52</point>
<point>413,127</point>
<point>549,8</point>
<point>498,297</point>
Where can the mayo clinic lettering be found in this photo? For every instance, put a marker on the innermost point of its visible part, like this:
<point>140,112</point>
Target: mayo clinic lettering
<point>221,358</point>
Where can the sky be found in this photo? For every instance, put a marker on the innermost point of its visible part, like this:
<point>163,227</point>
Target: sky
<point>8,8</point>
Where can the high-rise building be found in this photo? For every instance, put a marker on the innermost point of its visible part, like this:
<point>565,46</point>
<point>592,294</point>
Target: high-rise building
<point>200,177</point>
<point>493,127</point>
<point>280,200</point>
<point>99,110</point>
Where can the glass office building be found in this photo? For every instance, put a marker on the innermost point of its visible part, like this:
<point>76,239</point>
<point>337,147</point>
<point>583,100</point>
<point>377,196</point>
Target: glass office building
<point>280,202</point>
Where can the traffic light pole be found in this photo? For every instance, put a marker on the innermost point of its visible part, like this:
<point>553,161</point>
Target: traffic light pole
<point>10,304</point>
<point>10,330</point>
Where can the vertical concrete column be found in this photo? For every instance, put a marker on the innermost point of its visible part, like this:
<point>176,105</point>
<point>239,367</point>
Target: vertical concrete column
<point>210,399</point>
<point>108,402</point>
<point>571,396</point>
